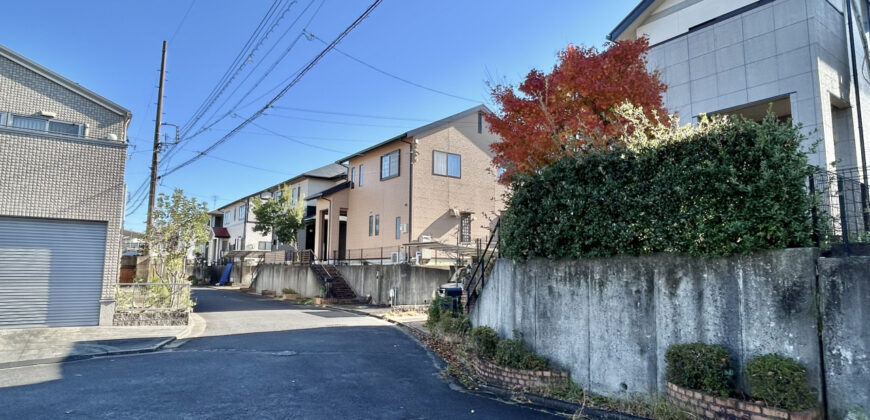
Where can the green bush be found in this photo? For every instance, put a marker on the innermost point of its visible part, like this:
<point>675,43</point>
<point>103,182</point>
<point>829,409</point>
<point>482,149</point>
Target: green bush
<point>780,382</point>
<point>512,353</point>
<point>434,312</point>
<point>484,339</point>
<point>726,187</point>
<point>701,367</point>
<point>458,324</point>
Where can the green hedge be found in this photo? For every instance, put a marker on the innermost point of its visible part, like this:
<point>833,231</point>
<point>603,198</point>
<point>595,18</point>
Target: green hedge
<point>701,367</point>
<point>725,187</point>
<point>511,352</point>
<point>780,382</point>
<point>484,339</point>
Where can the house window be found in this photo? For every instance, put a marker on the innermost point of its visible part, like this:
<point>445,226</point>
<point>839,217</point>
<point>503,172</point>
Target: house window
<point>465,227</point>
<point>390,165</point>
<point>398,228</point>
<point>277,195</point>
<point>352,176</point>
<point>377,224</point>
<point>226,218</point>
<point>294,195</point>
<point>243,211</point>
<point>371,224</point>
<point>480,122</point>
<point>63,128</point>
<point>360,175</point>
<point>447,164</point>
<point>264,245</point>
<point>41,124</point>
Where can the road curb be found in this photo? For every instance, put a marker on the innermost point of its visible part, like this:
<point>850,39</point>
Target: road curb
<point>78,357</point>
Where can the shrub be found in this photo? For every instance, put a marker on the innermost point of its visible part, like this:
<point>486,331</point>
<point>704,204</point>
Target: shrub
<point>484,339</point>
<point>459,325</point>
<point>289,291</point>
<point>699,366</point>
<point>780,382</point>
<point>732,186</point>
<point>434,312</point>
<point>512,353</point>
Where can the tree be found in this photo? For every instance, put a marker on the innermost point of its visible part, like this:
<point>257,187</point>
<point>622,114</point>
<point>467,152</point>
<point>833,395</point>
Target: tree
<point>279,215</point>
<point>180,226</point>
<point>571,110</point>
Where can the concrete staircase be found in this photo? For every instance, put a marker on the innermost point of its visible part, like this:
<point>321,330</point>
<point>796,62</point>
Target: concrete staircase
<point>339,288</point>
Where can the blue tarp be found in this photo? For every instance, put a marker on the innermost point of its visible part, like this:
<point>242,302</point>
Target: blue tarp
<point>225,277</point>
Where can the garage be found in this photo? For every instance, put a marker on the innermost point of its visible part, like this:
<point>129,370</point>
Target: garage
<point>51,272</point>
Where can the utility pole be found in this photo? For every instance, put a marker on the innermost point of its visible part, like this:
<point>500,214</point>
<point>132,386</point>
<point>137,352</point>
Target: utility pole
<point>157,123</point>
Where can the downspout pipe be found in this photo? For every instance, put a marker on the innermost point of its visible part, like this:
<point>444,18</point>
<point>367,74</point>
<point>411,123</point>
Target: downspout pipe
<point>855,80</point>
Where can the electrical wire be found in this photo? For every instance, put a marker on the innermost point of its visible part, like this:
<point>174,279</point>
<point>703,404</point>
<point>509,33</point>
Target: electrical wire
<point>386,73</point>
<point>280,94</point>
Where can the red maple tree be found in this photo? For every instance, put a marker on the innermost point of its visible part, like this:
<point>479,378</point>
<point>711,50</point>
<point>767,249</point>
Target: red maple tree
<point>571,109</point>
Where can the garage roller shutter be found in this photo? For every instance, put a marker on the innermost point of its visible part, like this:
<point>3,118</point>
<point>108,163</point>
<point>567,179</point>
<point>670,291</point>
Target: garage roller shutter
<point>51,272</point>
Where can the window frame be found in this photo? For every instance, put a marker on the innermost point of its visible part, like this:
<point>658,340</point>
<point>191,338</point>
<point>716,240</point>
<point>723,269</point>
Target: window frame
<point>352,176</point>
<point>465,227</point>
<point>227,218</point>
<point>398,154</point>
<point>371,224</point>
<point>7,119</point>
<point>447,164</point>
<point>398,227</point>
<point>377,225</point>
<point>360,174</point>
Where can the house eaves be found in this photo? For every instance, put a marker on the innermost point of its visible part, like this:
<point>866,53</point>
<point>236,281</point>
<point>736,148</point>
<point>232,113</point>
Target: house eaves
<point>63,81</point>
<point>629,20</point>
<point>418,130</point>
<point>330,191</point>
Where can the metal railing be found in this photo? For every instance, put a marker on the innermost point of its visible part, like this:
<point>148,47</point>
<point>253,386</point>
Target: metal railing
<point>841,210</point>
<point>153,296</point>
<point>485,262</point>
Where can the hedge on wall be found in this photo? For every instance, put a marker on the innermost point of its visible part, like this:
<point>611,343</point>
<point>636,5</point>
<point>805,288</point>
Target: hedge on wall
<point>727,186</point>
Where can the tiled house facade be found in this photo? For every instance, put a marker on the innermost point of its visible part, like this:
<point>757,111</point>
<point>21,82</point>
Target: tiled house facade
<point>62,154</point>
<point>740,56</point>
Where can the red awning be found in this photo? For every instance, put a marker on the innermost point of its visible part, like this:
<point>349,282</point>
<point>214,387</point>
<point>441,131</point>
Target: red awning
<point>220,232</point>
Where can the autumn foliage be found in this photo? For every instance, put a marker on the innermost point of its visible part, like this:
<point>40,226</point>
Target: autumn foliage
<point>571,110</point>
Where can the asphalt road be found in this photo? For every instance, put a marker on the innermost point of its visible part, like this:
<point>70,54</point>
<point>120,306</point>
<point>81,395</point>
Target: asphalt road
<point>257,358</point>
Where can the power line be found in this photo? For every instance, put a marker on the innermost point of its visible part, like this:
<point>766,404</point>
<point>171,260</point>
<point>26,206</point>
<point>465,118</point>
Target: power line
<point>267,72</point>
<point>183,19</point>
<point>401,79</point>
<point>227,79</point>
<point>336,122</point>
<point>299,141</point>
<point>280,94</point>
<point>346,114</point>
<point>237,65</point>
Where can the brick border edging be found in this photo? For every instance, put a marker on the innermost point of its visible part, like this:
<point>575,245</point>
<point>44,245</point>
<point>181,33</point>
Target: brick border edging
<point>710,407</point>
<point>512,377</point>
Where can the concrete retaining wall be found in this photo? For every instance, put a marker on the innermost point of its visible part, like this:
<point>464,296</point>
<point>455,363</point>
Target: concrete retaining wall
<point>412,285</point>
<point>610,321</point>
<point>844,284</point>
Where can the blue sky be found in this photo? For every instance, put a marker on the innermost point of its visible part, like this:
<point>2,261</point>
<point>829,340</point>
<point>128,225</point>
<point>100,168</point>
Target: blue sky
<point>113,48</point>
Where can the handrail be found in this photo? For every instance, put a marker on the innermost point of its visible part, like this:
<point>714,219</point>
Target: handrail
<point>474,279</point>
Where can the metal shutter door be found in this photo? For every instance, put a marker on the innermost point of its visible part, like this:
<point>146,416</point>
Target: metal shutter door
<point>51,272</point>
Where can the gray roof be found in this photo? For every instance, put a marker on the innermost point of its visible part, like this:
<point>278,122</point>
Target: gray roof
<point>628,20</point>
<point>330,171</point>
<point>421,129</point>
<point>63,81</point>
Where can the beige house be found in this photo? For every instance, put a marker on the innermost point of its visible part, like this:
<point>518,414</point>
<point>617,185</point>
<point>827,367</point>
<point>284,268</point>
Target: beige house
<point>62,156</point>
<point>430,188</point>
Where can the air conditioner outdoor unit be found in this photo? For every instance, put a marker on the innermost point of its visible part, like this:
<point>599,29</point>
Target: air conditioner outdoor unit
<point>454,212</point>
<point>418,256</point>
<point>425,238</point>
<point>397,257</point>
<point>403,227</point>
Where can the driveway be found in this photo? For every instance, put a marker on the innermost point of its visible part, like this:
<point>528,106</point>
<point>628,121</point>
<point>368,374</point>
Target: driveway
<point>257,358</point>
